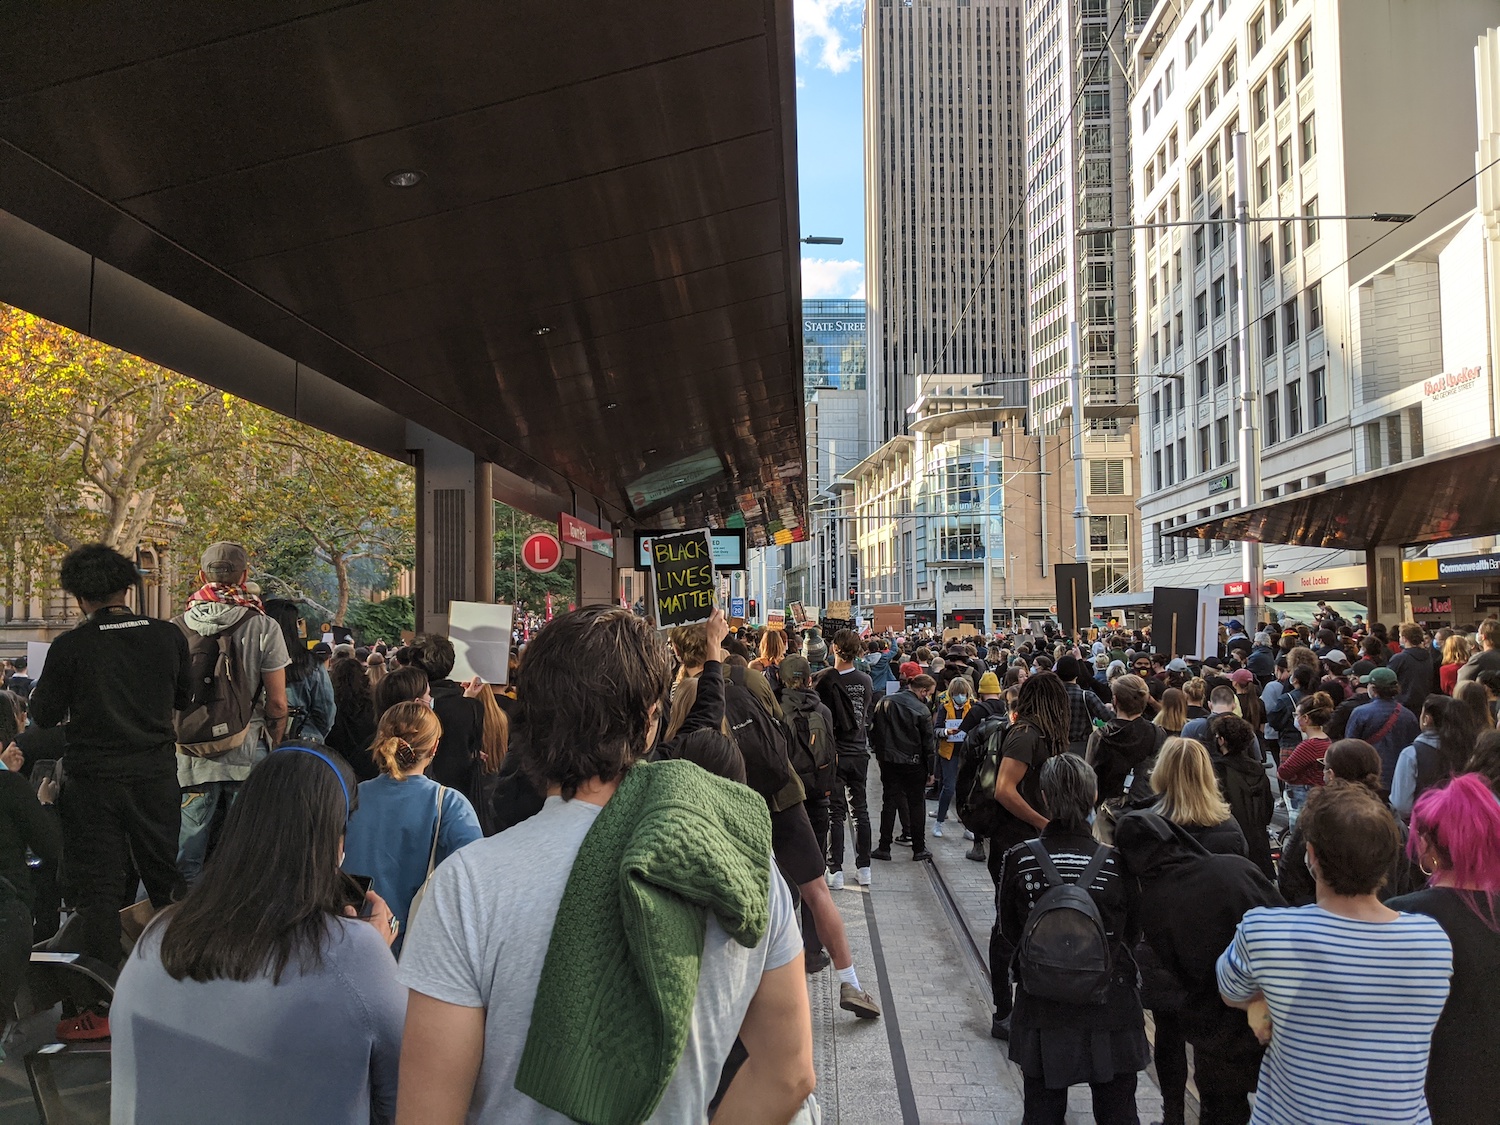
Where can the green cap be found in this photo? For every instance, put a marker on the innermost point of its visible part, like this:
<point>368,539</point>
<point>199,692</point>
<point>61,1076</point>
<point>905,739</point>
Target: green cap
<point>1381,677</point>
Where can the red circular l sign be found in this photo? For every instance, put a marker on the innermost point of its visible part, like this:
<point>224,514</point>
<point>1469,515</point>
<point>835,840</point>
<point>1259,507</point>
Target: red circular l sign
<point>541,553</point>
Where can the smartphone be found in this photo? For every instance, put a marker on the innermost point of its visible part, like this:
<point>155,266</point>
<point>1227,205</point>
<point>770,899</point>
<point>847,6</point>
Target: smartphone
<point>43,769</point>
<point>359,892</point>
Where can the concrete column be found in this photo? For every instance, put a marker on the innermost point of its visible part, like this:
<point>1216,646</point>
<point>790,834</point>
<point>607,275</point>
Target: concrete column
<point>1383,580</point>
<point>455,528</point>
<point>595,581</point>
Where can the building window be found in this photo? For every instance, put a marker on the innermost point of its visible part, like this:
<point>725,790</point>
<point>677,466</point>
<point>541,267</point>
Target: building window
<point>1155,349</point>
<point>1190,47</point>
<point>1200,312</point>
<point>1263,182</point>
<point>1171,465</point>
<point>1294,408</point>
<point>1211,95</point>
<point>1150,177</point>
<point>1268,335</point>
<point>1195,179</point>
<point>1372,446</point>
<point>1284,161</point>
<point>1278,12</point>
<point>1198,251</point>
<point>1260,111</point>
<point>1288,243</point>
<point>1221,365</point>
<point>1205,450</point>
<point>1156,477</point>
<point>1257,33</point>
<point>1304,54</point>
<point>1315,306</point>
<point>1107,478</point>
<point>1273,417</point>
<point>1218,297</point>
<point>1153,293</point>
<point>1182,458</point>
<point>1166,396</point>
<point>1309,138</point>
<point>1214,163</point>
<point>1208,21</point>
<point>1393,440</point>
<point>1221,439</point>
<point>1216,229</point>
<point>1195,117</point>
<point>1289,323</point>
<point>1282,78</point>
<point>1231,71</point>
<point>1156,408</point>
<point>1310,227</point>
<point>1267,259</point>
<point>1203,378</point>
<point>1145,115</point>
<point>1414,429</point>
<point>1317,381</point>
<point>1177,267</point>
<point>1177,323</point>
<point>1172,144</point>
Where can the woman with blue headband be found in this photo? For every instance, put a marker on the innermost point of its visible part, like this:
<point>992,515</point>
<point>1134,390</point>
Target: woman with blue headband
<point>269,992</point>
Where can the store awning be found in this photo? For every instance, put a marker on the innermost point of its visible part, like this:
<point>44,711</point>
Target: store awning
<point>1445,496</point>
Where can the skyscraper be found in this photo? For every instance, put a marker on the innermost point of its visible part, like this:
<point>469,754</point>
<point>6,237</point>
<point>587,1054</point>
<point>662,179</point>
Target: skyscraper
<point>945,172</point>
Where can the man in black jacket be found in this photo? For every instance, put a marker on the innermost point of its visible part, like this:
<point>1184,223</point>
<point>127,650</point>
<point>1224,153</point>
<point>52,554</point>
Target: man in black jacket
<point>462,716</point>
<point>115,680</point>
<point>903,738</point>
<point>1414,668</point>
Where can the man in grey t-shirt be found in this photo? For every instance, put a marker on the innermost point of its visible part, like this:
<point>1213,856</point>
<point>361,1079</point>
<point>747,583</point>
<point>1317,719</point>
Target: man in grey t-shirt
<point>476,951</point>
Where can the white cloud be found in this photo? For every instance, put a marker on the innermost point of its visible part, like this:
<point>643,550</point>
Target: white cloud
<point>822,27</point>
<point>824,277</point>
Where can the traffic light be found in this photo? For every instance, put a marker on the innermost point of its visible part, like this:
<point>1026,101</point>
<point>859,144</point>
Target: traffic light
<point>754,615</point>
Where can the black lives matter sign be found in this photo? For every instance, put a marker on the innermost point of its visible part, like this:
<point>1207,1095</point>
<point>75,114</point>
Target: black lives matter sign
<point>682,577</point>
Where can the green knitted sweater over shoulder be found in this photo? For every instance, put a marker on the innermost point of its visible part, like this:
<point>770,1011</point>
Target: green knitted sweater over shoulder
<point>616,995</point>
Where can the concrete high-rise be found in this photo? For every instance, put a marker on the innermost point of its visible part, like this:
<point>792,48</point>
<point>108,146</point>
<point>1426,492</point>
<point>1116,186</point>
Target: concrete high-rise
<point>945,170</point>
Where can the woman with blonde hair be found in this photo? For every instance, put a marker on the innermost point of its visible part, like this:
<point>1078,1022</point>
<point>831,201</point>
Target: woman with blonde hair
<point>1184,777</point>
<point>405,824</point>
<point>1456,652</point>
<point>1173,715</point>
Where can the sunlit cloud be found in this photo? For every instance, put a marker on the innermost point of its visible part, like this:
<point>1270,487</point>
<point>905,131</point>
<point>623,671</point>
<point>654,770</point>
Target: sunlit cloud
<point>823,277</point>
<point>828,32</point>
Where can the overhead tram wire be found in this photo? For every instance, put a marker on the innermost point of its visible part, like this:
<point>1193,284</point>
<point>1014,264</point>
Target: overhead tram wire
<point>1041,162</point>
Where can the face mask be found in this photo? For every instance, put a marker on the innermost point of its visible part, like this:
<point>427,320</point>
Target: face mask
<point>960,700</point>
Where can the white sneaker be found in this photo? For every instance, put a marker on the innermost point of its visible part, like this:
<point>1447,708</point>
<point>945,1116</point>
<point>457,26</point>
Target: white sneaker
<point>836,880</point>
<point>937,829</point>
<point>968,835</point>
<point>863,875</point>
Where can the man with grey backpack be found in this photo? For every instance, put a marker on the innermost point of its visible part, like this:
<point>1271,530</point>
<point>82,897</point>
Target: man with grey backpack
<point>1067,912</point>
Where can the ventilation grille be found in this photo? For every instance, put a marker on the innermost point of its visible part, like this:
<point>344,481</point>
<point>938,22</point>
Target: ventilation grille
<point>449,552</point>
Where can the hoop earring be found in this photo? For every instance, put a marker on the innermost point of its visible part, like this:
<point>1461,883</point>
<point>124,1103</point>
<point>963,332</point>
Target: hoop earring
<point>1422,867</point>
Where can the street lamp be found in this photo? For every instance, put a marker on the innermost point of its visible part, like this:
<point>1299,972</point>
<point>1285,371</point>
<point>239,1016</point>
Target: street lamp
<point>822,240</point>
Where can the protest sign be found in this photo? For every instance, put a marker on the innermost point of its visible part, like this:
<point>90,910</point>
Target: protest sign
<point>682,578</point>
<point>481,641</point>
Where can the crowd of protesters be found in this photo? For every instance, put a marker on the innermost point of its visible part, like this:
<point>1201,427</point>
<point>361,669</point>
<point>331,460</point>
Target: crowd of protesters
<point>377,893</point>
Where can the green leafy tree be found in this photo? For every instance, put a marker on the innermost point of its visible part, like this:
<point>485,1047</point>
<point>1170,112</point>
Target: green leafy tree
<point>382,620</point>
<point>516,585</point>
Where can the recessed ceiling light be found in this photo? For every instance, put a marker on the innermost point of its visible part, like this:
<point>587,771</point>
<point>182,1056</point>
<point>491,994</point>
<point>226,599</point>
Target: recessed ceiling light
<point>610,405</point>
<point>680,480</point>
<point>404,178</point>
<point>540,330</point>
<point>650,451</point>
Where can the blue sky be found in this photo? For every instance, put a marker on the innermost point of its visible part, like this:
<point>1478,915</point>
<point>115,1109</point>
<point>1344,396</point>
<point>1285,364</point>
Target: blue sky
<point>830,160</point>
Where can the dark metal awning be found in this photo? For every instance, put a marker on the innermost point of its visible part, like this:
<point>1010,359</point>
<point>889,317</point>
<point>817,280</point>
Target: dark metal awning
<point>1453,495</point>
<point>592,282</point>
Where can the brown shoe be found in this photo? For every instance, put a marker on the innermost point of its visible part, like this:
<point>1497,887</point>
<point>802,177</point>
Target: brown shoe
<point>858,1001</point>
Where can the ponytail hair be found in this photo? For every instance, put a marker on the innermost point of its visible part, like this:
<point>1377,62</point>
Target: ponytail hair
<point>408,734</point>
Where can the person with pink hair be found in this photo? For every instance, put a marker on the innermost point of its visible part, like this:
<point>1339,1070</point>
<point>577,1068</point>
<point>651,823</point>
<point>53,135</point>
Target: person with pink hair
<point>1455,837</point>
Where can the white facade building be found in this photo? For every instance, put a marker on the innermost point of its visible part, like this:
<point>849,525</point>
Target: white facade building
<point>1350,107</point>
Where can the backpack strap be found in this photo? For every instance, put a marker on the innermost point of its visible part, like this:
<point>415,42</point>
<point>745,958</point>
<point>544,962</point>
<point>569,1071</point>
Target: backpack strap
<point>1054,877</point>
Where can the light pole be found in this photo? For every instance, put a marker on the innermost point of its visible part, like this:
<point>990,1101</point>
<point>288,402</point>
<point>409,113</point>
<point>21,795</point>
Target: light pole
<point>1253,559</point>
<point>822,240</point>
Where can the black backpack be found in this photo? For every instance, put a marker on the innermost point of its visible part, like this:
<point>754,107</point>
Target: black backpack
<point>813,753</point>
<point>978,771</point>
<point>834,696</point>
<point>1064,954</point>
<point>763,743</point>
<point>218,719</point>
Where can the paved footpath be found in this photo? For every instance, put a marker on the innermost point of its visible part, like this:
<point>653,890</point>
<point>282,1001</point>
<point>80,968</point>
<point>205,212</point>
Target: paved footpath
<point>930,1060</point>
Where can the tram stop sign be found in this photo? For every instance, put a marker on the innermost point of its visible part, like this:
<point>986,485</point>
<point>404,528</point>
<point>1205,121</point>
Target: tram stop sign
<point>541,553</point>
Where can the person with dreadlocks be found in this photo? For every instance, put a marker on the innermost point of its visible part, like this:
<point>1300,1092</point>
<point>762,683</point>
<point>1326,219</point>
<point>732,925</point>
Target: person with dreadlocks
<point>1038,732</point>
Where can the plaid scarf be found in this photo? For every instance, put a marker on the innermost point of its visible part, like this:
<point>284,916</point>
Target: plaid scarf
<point>223,592</point>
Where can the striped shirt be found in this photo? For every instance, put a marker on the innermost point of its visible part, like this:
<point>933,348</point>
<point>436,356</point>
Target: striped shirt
<point>1353,1005</point>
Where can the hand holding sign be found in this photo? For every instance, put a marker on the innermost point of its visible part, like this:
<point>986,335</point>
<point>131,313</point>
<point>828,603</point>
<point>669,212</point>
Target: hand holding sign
<point>682,578</point>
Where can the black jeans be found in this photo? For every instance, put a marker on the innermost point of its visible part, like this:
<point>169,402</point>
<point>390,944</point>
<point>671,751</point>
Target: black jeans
<point>817,815</point>
<point>1114,1102</point>
<point>901,794</point>
<point>1000,949</point>
<point>848,799</point>
<point>15,947</point>
<point>1170,1053</point>
<point>105,825</point>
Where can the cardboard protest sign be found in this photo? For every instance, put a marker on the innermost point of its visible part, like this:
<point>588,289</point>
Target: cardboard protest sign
<point>481,641</point>
<point>840,611</point>
<point>682,578</point>
<point>889,618</point>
